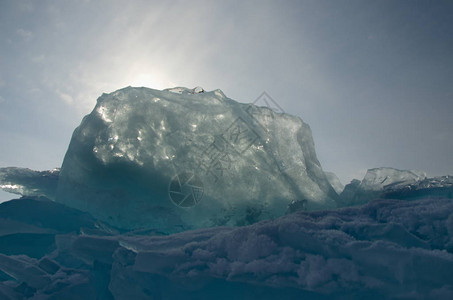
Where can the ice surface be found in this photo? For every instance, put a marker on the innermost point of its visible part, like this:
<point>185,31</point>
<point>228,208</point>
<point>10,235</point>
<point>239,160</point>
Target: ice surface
<point>44,214</point>
<point>387,249</point>
<point>185,158</point>
<point>28,226</point>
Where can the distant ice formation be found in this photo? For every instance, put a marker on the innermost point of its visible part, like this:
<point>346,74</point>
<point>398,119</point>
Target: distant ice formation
<point>441,186</point>
<point>378,178</point>
<point>28,182</point>
<point>396,184</point>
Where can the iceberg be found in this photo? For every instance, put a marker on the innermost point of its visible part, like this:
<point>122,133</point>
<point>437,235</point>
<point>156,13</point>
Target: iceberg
<point>183,158</point>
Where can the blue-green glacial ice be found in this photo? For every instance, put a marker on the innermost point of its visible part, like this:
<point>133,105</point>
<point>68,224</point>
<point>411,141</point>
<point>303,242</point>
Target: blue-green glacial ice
<point>178,159</point>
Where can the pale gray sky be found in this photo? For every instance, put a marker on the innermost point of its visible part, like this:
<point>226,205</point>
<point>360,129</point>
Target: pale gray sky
<point>372,78</point>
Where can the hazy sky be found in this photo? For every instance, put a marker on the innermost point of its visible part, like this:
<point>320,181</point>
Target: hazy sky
<point>373,79</point>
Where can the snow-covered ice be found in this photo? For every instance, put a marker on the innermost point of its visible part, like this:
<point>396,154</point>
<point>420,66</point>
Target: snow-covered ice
<point>386,249</point>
